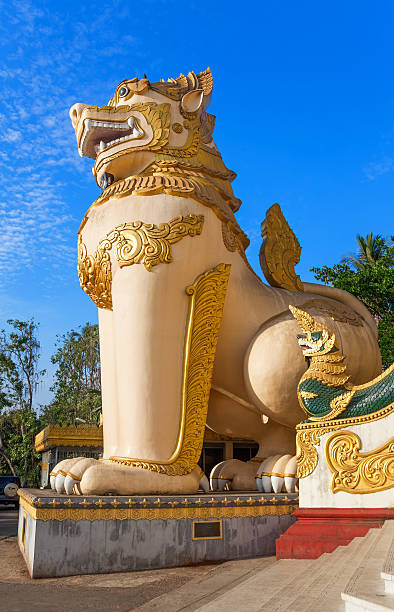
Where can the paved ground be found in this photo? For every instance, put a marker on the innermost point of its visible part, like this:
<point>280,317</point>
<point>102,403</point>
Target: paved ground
<point>100,592</point>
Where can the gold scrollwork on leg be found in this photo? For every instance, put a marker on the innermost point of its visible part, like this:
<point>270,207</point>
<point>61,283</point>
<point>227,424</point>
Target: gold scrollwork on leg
<point>136,242</point>
<point>355,472</point>
<point>206,301</point>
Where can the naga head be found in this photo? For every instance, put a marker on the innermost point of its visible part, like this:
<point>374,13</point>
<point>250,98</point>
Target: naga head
<point>146,122</point>
<point>316,339</point>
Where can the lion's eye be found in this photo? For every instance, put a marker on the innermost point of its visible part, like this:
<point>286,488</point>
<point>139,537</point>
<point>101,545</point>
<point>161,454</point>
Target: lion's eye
<point>123,91</point>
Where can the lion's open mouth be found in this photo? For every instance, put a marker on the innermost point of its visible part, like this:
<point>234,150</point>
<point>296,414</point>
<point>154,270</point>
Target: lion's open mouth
<point>98,136</point>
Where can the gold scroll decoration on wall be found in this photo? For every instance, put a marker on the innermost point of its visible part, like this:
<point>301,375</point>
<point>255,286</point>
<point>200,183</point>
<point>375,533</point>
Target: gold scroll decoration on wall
<point>308,437</point>
<point>136,242</point>
<point>206,301</point>
<point>355,472</point>
<point>280,251</point>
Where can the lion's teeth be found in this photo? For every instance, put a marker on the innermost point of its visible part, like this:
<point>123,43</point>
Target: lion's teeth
<point>131,122</point>
<point>102,145</point>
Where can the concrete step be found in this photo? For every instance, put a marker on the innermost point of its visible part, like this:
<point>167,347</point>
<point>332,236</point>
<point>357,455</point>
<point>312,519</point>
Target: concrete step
<point>295,584</point>
<point>324,585</point>
<point>292,589</point>
<point>292,585</point>
<point>253,593</point>
<point>365,591</point>
<point>387,573</point>
<point>319,585</point>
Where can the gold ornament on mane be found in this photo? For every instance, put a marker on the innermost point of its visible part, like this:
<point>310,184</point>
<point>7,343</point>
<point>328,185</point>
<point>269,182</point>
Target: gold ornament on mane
<point>206,301</point>
<point>135,242</point>
<point>355,472</point>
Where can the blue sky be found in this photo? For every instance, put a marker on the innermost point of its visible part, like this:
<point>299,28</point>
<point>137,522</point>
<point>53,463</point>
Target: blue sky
<point>304,100</point>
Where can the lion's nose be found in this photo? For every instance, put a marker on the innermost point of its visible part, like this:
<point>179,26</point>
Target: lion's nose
<point>76,112</point>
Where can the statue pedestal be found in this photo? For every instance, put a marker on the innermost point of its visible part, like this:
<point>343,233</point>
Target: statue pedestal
<point>62,535</point>
<point>346,483</point>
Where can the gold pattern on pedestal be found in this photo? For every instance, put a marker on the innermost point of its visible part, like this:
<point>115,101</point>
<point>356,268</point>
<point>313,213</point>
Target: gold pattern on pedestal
<point>280,251</point>
<point>135,242</point>
<point>206,301</point>
<point>308,437</point>
<point>151,514</point>
<point>355,472</point>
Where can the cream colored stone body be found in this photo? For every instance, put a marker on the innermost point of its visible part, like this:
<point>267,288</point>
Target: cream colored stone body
<point>142,338</point>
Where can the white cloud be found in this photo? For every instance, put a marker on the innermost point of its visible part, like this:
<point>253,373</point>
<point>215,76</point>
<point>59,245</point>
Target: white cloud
<point>375,169</point>
<point>40,170</point>
<point>11,136</point>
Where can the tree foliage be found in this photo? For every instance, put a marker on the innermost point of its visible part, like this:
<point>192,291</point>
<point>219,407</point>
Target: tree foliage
<point>370,251</point>
<point>372,282</point>
<point>19,378</point>
<point>77,379</point>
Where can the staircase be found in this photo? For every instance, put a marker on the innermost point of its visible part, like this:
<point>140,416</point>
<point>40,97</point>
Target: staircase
<point>371,586</point>
<point>358,577</point>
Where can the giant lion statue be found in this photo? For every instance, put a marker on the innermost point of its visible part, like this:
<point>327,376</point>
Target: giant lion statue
<point>189,334</point>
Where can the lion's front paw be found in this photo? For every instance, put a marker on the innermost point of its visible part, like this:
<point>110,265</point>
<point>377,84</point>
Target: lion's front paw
<point>60,474</point>
<point>86,476</point>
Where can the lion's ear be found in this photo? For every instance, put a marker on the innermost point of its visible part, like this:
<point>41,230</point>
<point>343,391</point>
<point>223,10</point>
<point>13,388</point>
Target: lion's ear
<point>192,100</point>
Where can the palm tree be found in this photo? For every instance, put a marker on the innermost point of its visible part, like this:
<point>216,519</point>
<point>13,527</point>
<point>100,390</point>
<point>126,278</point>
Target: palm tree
<point>370,250</point>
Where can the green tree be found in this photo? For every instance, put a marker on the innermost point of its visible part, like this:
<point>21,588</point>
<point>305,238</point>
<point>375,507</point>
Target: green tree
<point>19,379</point>
<point>371,250</point>
<point>77,379</point>
<point>372,282</point>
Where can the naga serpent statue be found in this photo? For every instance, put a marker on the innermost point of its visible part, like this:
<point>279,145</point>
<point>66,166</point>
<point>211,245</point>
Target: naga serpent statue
<point>333,403</point>
<point>325,391</point>
<point>190,337</point>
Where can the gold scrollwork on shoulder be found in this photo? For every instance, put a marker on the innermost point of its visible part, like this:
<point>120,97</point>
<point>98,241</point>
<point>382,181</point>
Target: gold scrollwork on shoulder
<point>355,472</point>
<point>280,251</point>
<point>94,272</point>
<point>150,244</point>
<point>206,301</point>
<point>136,242</point>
